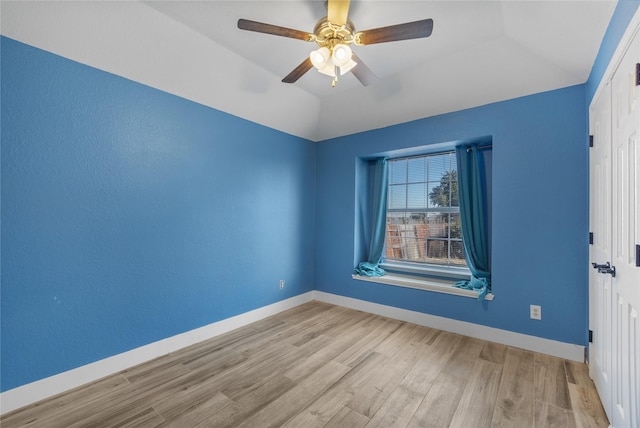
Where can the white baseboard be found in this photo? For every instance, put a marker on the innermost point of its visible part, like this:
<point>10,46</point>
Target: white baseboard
<point>53,385</point>
<point>518,340</point>
<point>33,392</point>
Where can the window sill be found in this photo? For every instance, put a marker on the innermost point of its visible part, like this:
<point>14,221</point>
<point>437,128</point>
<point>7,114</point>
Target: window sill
<point>428,284</point>
<point>445,273</point>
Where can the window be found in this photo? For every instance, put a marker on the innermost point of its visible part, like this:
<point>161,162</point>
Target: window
<point>423,215</point>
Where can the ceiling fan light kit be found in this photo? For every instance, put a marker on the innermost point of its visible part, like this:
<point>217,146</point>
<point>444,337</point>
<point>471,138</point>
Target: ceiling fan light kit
<point>332,62</point>
<point>333,34</point>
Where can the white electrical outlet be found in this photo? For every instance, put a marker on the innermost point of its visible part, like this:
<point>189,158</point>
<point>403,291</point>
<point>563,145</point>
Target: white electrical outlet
<point>281,284</point>
<point>535,312</point>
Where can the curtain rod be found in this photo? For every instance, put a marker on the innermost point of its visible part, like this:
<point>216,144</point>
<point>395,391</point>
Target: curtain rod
<point>452,151</point>
<point>486,146</point>
<point>446,152</point>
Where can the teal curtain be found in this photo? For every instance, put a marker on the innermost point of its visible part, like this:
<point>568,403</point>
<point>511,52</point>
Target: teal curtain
<point>379,222</point>
<point>473,218</point>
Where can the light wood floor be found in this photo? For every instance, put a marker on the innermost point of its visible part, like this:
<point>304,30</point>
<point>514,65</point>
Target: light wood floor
<point>320,365</point>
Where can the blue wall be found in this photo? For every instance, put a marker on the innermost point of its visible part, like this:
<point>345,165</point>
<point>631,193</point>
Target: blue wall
<point>540,213</point>
<point>130,215</point>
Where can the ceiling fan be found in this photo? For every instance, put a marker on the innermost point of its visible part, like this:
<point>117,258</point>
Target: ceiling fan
<point>333,34</point>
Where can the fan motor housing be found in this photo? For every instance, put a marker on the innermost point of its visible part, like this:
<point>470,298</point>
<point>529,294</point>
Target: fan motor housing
<point>328,34</point>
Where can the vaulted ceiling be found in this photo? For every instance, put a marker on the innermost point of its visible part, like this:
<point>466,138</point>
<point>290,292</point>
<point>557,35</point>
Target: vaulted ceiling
<point>479,52</point>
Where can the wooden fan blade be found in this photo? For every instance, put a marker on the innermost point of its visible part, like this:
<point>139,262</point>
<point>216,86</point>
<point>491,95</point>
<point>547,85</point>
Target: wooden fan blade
<point>260,27</point>
<point>337,11</point>
<point>409,30</point>
<point>299,71</point>
<point>362,72</point>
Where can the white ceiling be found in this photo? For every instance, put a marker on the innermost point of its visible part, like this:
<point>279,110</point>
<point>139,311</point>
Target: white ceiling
<point>480,52</point>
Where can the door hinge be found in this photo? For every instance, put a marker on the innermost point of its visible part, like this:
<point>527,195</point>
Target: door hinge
<point>638,74</point>
<point>590,238</point>
<point>590,140</point>
<point>637,255</point>
<point>590,336</point>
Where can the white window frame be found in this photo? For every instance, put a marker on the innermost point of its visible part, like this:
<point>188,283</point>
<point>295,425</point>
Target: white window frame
<point>437,272</point>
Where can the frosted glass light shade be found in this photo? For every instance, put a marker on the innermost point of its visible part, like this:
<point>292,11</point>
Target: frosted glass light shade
<point>341,55</point>
<point>344,69</point>
<point>320,58</point>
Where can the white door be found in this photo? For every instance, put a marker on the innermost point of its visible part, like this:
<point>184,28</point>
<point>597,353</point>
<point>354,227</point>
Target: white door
<point>600,252</point>
<point>625,193</point>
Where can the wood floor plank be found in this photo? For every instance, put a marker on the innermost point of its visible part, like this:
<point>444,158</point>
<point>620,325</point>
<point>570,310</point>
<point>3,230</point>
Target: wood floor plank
<point>374,322</point>
<point>586,404</point>
<point>551,381</point>
<point>334,347</point>
<point>320,365</point>
<point>130,400</point>
<point>464,356</point>
<point>158,367</point>
<point>405,336</point>
<point>397,410</point>
<point>514,406</point>
<point>338,320</point>
<point>479,397</point>
<point>235,340</point>
<point>289,404</point>
<point>346,418</point>
<point>301,313</point>
<point>172,406</point>
<point>145,419</point>
<point>45,413</point>
<point>367,341</point>
<point>198,413</point>
<point>440,403</point>
<point>429,339</point>
<point>227,417</point>
<point>121,409</point>
<point>312,328</point>
<point>249,375</point>
<point>577,373</point>
<point>368,398</point>
<point>493,352</point>
<point>549,416</point>
<point>269,360</point>
<point>324,408</point>
<point>430,361</point>
<point>125,416</point>
<point>587,408</point>
<point>261,391</point>
<point>252,401</point>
